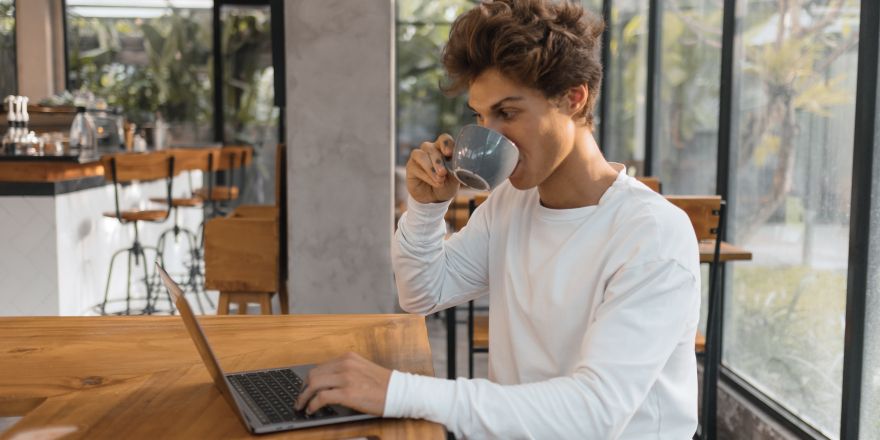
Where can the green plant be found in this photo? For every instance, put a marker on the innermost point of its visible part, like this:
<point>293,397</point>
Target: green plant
<point>172,78</point>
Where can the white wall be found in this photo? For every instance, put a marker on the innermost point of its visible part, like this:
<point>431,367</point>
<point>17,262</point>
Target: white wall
<point>55,250</point>
<point>340,56</point>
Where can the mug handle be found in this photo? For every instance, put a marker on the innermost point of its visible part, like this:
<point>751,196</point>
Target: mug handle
<point>447,162</point>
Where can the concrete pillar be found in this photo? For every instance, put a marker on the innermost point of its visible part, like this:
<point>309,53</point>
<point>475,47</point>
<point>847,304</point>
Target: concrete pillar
<point>340,85</point>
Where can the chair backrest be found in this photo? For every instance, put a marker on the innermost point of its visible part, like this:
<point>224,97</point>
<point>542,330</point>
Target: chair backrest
<point>189,159</point>
<point>651,182</point>
<point>235,156</point>
<point>129,167</point>
<point>704,213</point>
<point>241,254</point>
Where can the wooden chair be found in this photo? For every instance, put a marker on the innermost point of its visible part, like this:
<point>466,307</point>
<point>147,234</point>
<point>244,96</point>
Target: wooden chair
<point>246,252</point>
<point>651,182</point>
<point>706,214</point>
<point>126,168</point>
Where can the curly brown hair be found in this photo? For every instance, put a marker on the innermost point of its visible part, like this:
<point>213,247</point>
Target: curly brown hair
<point>548,45</point>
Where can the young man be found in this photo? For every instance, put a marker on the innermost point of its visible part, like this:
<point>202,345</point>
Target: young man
<point>593,278</point>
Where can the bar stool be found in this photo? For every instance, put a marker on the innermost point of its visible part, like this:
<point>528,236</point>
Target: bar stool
<point>232,161</point>
<point>127,168</point>
<point>189,159</point>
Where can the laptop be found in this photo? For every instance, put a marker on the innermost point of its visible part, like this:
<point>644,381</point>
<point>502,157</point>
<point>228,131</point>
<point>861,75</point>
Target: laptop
<point>263,399</point>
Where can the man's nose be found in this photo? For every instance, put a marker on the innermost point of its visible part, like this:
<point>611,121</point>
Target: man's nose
<point>492,124</point>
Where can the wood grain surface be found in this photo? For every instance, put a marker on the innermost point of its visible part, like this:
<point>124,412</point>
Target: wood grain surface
<point>141,377</point>
<point>241,254</point>
<point>48,171</point>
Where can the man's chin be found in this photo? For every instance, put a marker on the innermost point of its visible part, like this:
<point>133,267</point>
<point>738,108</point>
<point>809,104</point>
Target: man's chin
<point>519,183</point>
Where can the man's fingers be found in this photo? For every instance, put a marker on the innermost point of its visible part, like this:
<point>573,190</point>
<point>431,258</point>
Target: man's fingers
<point>445,143</point>
<point>424,169</point>
<point>436,158</point>
<point>332,396</point>
<point>317,383</point>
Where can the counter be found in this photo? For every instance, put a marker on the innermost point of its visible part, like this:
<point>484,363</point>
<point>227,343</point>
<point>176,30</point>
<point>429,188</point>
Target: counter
<point>55,244</point>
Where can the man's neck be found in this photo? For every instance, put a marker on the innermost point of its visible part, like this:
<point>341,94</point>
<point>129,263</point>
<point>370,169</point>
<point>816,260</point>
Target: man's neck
<point>581,179</point>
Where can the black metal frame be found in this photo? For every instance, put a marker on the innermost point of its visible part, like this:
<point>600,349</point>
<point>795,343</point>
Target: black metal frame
<point>15,43</point>
<point>606,59</point>
<point>860,218</point>
<point>276,8</point>
<point>66,46</point>
<point>652,90</point>
<point>712,358</point>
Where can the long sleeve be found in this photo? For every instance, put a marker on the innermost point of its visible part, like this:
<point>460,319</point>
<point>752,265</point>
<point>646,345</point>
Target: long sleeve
<point>433,273</point>
<point>648,311</point>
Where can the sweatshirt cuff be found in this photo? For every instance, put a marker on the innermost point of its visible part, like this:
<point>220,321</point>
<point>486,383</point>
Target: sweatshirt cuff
<point>426,212</point>
<point>419,397</point>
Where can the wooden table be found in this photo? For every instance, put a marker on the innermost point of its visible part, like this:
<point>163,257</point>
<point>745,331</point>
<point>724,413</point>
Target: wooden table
<point>141,377</point>
<point>727,252</point>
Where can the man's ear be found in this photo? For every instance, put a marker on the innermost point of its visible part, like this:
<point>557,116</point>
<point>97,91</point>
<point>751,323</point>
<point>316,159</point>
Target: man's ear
<point>576,99</point>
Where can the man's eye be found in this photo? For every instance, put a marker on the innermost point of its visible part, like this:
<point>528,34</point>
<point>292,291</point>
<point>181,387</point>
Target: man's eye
<point>506,115</point>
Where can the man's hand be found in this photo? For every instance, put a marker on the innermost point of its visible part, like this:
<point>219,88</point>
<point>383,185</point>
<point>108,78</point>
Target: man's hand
<point>427,179</point>
<point>350,381</point>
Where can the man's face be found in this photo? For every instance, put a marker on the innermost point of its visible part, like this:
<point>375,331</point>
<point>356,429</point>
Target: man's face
<point>542,132</point>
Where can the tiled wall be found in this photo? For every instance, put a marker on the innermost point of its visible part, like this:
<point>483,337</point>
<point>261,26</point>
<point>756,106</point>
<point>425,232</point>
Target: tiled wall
<point>55,251</point>
<point>28,267</point>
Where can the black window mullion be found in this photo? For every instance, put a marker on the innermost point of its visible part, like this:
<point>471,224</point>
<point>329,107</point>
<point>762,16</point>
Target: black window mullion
<point>64,29</point>
<point>725,106</point>
<point>860,218</point>
<point>606,59</point>
<point>218,73</point>
<point>653,79</point>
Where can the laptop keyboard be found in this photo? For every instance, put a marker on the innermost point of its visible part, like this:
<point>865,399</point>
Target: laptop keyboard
<point>271,395</point>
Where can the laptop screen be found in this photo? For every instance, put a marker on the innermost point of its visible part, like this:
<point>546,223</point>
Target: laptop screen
<point>198,336</point>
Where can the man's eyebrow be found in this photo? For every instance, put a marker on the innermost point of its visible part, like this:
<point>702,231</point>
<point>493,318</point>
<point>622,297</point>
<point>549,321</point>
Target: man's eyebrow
<point>499,103</point>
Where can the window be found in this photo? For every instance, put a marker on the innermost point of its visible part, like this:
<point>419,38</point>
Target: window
<point>146,59</point>
<point>595,7</point>
<point>8,66</point>
<point>249,113</point>
<point>687,114</point>
<point>626,75</point>
<point>870,405</point>
<point>423,112</point>
<point>790,202</point>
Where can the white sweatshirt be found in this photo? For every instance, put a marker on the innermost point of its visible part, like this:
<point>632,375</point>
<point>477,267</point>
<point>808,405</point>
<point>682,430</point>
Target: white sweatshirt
<point>592,316</point>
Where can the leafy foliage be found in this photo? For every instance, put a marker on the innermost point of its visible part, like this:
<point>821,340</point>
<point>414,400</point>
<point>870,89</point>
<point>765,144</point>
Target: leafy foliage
<point>146,66</point>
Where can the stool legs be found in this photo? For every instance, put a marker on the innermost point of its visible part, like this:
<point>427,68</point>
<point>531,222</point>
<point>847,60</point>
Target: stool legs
<point>136,251</point>
<point>194,281</point>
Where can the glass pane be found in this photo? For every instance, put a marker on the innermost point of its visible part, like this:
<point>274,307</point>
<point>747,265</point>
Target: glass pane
<point>146,60</point>
<point>790,201</point>
<point>626,73</point>
<point>595,7</point>
<point>8,66</point>
<point>249,112</point>
<point>870,406</point>
<point>686,145</point>
<point>423,112</point>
